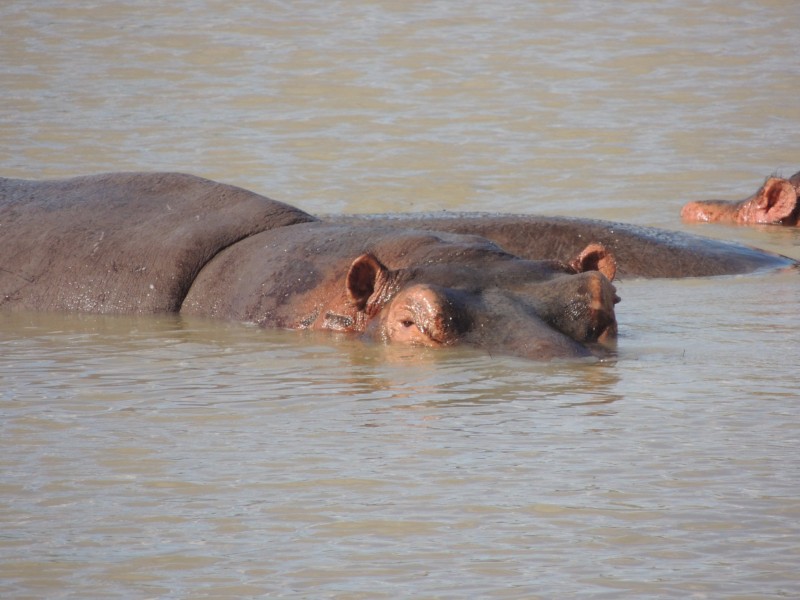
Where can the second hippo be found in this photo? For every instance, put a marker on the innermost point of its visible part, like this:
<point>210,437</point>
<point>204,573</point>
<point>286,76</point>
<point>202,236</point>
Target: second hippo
<point>775,203</point>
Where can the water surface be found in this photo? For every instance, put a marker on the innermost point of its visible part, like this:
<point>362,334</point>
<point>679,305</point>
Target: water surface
<point>173,458</point>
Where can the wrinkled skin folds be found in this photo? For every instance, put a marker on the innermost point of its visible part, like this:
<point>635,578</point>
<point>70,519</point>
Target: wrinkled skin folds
<point>139,243</point>
<point>777,202</point>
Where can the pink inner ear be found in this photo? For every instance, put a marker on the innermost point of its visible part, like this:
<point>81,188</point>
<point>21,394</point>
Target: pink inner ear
<point>776,200</point>
<point>361,279</point>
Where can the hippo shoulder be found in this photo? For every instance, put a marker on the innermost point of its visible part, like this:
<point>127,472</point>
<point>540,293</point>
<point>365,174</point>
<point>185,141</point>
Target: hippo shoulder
<point>120,242</point>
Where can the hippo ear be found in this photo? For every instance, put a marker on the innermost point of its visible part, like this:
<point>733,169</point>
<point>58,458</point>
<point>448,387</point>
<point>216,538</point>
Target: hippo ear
<point>366,274</point>
<point>776,200</point>
<point>595,257</point>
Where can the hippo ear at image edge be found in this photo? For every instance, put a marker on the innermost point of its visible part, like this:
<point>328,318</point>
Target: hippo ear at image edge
<point>595,257</point>
<point>364,278</point>
<point>776,200</point>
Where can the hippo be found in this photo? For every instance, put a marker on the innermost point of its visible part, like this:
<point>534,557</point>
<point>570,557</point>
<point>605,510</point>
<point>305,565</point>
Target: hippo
<point>148,243</point>
<point>638,251</point>
<point>775,203</point>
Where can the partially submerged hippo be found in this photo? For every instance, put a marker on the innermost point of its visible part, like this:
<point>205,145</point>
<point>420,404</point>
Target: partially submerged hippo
<point>165,242</point>
<point>638,251</point>
<point>152,243</point>
<point>776,202</point>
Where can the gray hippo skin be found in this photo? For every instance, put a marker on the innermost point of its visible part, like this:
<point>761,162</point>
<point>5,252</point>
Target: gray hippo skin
<point>645,252</point>
<point>137,243</point>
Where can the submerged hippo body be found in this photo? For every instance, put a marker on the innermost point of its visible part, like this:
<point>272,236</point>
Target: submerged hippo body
<point>161,242</point>
<point>777,202</point>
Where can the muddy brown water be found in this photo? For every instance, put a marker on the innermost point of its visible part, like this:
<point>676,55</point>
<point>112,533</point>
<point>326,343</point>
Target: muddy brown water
<point>174,458</point>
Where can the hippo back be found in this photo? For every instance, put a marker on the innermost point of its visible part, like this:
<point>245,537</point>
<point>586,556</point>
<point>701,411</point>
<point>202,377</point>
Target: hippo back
<point>120,243</point>
<point>639,251</point>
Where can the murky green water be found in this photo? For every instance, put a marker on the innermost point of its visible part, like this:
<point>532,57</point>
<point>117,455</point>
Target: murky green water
<point>171,458</point>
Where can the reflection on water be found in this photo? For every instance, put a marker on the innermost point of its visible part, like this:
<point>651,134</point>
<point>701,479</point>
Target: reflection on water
<point>171,458</point>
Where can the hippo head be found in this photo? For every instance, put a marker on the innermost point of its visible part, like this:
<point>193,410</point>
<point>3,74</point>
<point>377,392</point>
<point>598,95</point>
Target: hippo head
<point>414,287</point>
<point>776,202</point>
<point>535,309</point>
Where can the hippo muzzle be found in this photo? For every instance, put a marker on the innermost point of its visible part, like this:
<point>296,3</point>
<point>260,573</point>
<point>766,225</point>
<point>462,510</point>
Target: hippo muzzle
<point>571,315</point>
